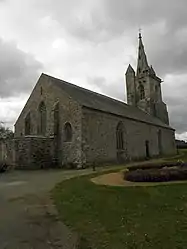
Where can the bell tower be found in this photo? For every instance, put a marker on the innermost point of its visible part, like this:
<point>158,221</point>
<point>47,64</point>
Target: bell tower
<point>144,87</point>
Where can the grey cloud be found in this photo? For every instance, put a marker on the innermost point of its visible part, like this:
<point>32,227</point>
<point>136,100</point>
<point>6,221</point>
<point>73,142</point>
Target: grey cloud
<point>97,81</point>
<point>18,70</point>
<point>114,89</point>
<point>176,100</point>
<point>178,113</point>
<point>88,17</point>
<point>168,54</point>
<point>101,21</point>
<point>145,12</point>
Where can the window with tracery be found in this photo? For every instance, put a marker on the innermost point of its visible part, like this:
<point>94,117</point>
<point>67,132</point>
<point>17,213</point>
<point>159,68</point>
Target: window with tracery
<point>28,124</point>
<point>42,119</point>
<point>119,136</point>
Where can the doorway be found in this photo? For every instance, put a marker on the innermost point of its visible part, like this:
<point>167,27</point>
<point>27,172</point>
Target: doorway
<point>147,149</point>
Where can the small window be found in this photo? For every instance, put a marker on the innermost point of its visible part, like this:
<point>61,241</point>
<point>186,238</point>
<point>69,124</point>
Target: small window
<point>67,132</point>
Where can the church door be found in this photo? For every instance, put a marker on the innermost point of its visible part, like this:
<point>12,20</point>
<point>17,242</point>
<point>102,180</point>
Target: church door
<point>147,149</point>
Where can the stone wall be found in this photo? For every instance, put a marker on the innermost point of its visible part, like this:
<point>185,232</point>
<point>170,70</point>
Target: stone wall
<point>34,153</point>
<point>7,151</point>
<point>99,138</point>
<point>3,151</point>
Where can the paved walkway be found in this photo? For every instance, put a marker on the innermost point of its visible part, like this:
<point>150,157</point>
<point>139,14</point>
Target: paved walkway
<point>28,219</point>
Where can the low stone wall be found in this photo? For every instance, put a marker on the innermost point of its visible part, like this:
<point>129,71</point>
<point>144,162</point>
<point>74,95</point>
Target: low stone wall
<point>7,151</point>
<point>34,152</point>
<point>3,154</point>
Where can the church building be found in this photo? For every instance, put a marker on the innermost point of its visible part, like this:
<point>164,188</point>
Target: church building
<point>65,125</point>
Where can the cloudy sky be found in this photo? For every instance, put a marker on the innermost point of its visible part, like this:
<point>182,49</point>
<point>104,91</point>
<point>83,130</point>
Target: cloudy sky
<point>90,43</point>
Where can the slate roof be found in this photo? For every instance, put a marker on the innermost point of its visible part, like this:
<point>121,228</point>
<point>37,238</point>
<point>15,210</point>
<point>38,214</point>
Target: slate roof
<point>104,103</point>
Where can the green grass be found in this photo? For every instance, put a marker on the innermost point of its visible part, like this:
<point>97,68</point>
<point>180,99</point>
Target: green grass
<point>182,156</point>
<point>124,218</point>
<point>116,218</point>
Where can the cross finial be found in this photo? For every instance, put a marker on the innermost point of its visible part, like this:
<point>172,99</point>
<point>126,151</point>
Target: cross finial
<point>140,33</point>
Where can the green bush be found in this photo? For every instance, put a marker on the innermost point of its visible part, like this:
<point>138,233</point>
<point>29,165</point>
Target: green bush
<point>3,167</point>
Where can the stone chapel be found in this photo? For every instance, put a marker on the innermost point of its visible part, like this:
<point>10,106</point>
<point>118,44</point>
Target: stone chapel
<point>65,125</point>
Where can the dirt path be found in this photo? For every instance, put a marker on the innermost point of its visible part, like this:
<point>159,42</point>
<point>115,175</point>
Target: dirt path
<point>117,179</point>
<point>28,219</point>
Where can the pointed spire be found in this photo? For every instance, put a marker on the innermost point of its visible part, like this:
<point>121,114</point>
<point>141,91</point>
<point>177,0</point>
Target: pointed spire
<point>140,35</point>
<point>142,58</point>
<point>130,70</point>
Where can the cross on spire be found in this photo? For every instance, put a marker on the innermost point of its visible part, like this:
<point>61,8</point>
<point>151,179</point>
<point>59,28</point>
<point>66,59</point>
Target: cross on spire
<point>142,58</point>
<point>140,33</point>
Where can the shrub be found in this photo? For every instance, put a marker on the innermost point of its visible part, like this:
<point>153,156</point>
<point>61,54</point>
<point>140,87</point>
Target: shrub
<point>155,165</point>
<point>3,167</point>
<point>157,175</point>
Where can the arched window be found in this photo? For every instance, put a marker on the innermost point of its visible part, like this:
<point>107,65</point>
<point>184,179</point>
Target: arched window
<point>42,120</point>
<point>119,136</point>
<point>142,91</point>
<point>56,119</point>
<point>28,124</point>
<point>67,132</point>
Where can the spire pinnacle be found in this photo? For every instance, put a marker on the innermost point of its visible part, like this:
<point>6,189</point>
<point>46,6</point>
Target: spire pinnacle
<point>140,33</point>
<point>142,58</point>
<point>130,70</point>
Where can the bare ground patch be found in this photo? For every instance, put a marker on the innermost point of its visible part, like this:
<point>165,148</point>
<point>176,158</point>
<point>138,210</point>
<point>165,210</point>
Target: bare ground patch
<point>116,179</point>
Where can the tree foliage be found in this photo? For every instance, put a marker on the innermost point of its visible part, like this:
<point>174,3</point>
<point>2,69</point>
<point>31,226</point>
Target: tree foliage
<point>5,132</point>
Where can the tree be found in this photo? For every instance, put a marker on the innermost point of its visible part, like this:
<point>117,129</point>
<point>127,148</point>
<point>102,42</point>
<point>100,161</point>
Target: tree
<point>5,132</point>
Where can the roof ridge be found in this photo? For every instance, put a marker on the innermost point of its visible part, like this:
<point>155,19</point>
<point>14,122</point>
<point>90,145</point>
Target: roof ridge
<point>85,89</point>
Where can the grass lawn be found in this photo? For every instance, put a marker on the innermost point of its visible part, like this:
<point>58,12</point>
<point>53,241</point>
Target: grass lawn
<point>182,155</point>
<point>120,218</point>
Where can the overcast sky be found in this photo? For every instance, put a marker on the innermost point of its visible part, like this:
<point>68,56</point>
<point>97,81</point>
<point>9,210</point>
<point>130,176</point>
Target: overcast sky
<point>90,43</point>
